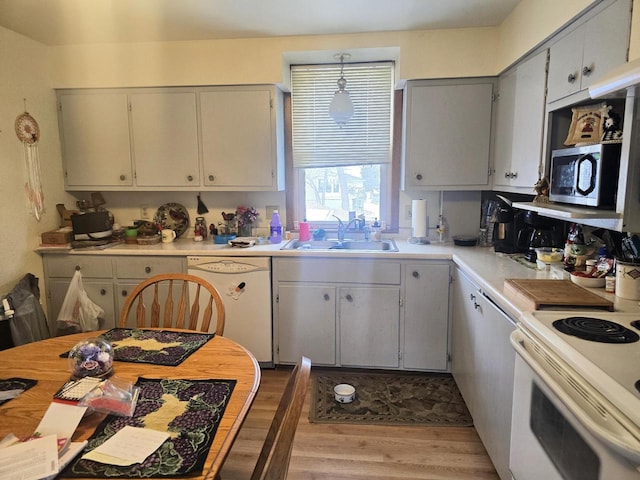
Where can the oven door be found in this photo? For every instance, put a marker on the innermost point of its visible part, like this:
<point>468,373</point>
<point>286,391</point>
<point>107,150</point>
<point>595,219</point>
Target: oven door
<point>547,438</point>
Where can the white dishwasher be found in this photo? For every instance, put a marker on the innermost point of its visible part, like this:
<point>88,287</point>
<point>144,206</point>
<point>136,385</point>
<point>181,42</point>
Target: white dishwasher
<point>245,286</point>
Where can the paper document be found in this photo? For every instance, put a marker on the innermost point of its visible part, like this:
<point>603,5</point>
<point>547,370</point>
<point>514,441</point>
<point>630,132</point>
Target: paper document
<point>128,446</point>
<point>60,419</point>
<point>30,460</point>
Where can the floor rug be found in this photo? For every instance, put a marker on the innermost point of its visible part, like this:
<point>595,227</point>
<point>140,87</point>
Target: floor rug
<point>189,410</point>
<point>389,398</point>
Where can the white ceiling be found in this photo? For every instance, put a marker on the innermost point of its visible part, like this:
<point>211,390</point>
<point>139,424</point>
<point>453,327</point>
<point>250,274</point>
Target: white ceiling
<point>63,22</point>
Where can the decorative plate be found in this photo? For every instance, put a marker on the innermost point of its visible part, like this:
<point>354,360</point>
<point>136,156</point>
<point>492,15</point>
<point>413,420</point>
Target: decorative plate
<point>27,128</point>
<point>173,216</point>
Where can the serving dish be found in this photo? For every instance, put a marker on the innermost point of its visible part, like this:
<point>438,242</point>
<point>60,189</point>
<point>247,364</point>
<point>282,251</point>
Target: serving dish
<point>588,282</point>
<point>465,240</point>
<point>174,217</point>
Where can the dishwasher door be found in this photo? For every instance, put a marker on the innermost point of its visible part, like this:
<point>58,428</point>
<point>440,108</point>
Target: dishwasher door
<point>244,284</point>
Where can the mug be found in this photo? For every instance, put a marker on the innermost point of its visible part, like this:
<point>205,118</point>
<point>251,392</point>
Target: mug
<point>168,236</point>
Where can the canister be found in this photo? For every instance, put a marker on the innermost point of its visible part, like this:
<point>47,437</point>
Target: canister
<point>628,280</point>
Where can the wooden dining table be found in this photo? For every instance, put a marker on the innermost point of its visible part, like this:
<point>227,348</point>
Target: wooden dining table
<point>219,358</point>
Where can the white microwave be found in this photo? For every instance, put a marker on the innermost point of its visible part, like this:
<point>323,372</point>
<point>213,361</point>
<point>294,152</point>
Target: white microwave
<point>586,175</point>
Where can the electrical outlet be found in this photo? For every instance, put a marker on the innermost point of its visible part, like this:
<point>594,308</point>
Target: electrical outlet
<point>270,209</point>
<point>145,214</point>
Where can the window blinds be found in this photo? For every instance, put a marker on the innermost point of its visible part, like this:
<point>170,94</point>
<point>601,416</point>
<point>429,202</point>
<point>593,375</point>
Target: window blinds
<point>366,139</point>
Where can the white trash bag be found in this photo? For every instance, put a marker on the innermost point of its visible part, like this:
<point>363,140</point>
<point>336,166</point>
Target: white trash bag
<point>78,313</point>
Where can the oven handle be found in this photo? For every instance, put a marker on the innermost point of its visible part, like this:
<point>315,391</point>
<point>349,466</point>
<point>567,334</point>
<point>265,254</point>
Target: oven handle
<point>625,444</point>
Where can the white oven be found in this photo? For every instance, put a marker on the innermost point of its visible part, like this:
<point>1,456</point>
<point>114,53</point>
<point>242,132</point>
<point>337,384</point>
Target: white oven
<point>574,417</point>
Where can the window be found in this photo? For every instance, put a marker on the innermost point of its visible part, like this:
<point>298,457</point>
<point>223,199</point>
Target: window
<point>338,170</point>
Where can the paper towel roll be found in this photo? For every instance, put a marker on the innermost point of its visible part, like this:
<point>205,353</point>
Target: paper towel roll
<point>419,218</point>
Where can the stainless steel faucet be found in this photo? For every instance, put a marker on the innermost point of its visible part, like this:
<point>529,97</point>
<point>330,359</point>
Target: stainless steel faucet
<point>342,228</point>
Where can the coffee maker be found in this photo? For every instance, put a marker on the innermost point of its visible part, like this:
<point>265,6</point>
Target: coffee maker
<point>507,224</point>
<point>538,232</point>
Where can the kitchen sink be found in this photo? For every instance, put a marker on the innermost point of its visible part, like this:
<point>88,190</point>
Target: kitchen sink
<point>353,245</point>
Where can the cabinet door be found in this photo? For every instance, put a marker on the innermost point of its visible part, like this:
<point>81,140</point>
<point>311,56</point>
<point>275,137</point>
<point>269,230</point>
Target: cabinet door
<point>528,121</point>
<point>426,315</point>
<point>447,125</point>
<point>238,138</point>
<point>606,42</point>
<point>99,291</point>
<point>465,333</point>
<point>565,65</point>
<point>369,326</point>
<point>165,139</point>
<point>505,110</point>
<point>94,130</point>
<point>307,323</point>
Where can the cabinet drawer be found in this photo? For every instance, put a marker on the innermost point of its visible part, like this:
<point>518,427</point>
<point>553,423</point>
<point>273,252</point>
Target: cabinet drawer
<point>145,267</point>
<point>343,271</point>
<point>90,266</point>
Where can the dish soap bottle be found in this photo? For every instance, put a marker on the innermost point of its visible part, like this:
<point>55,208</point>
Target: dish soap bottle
<point>275,230</point>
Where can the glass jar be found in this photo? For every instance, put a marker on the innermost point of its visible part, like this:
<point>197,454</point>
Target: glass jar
<point>91,358</point>
<point>200,229</point>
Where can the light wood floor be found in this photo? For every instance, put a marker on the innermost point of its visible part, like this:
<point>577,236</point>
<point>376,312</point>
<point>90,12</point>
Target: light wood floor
<point>358,452</point>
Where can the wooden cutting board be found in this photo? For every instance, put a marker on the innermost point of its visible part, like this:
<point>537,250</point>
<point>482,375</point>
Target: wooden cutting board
<point>543,293</point>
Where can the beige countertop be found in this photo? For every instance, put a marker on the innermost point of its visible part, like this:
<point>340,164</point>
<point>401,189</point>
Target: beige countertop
<point>481,264</point>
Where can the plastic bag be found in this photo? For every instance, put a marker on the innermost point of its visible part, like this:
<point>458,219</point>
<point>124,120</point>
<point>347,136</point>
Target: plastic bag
<point>78,313</point>
<point>115,396</point>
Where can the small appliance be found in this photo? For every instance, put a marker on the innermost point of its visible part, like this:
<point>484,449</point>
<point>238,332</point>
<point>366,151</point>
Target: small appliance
<point>538,232</point>
<point>91,225</point>
<point>586,175</point>
<point>507,224</point>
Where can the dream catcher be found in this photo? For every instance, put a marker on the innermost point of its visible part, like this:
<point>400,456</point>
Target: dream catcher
<point>28,132</point>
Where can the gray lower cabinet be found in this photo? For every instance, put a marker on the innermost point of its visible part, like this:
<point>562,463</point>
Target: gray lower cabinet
<point>107,279</point>
<point>362,312</point>
<point>482,364</point>
<point>426,316</point>
<point>307,323</point>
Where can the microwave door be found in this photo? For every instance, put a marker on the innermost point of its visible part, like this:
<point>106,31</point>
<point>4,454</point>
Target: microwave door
<point>586,175</point>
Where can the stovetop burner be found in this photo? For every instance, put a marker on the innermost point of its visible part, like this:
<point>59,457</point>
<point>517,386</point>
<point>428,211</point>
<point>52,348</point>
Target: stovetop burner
<point>596,330</point>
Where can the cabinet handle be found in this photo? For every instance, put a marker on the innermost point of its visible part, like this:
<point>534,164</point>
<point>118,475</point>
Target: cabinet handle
<point>506,174</point>
<point>472,297</point>
<point>514,174</point>
<point>586,71</point>
<point>103,292</point>
<point>123,178</point>
<point>124,293</point>
<point>190,178</point>
<point>415,274</point>
<point>78,268</point>
<point>476,305</point>
<point>419,176</point>
<point>571,78</point>
<point>326,297</point>
<point>212,178</point>
<point>147,269</point>
<point>349,298</point>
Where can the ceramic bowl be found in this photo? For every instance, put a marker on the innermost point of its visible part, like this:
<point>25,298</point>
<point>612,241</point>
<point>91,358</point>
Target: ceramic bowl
<point>344,393</point>
<point>589,282</point>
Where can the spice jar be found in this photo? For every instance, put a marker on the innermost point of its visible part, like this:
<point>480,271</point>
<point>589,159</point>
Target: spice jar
<point>200,229</point>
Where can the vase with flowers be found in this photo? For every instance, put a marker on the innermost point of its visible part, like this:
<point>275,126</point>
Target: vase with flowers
<point>247,216</point>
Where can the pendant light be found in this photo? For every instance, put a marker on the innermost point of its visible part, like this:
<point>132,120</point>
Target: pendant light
<point>341,108</point>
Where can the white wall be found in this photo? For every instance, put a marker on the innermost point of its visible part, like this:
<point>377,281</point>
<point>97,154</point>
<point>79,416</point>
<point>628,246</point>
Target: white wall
<point>25,75</point>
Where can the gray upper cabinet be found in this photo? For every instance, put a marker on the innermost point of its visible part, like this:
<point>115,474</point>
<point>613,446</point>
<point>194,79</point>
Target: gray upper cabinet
<point>520,124</point>
<point>94,132</point>
<point>447,132</point>
<point>165,138</point>
<point>177,138</point>
<point>239,142</point>
<point>584,53</point>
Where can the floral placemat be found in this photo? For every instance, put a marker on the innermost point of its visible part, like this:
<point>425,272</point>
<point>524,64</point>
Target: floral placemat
<point>160,347</point>
<point>189,410</point>
<point>15,383</point>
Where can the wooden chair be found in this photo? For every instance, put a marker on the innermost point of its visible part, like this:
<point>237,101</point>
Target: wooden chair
<point>273,462</point>
<point>201,289</point>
